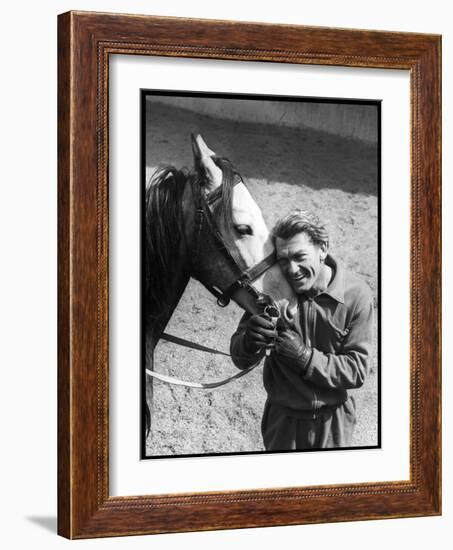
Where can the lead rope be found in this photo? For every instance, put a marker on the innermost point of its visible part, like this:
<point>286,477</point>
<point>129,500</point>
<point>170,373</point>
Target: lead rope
<point>201,385</point>
<point>270,310</point>
<point>199,347</point>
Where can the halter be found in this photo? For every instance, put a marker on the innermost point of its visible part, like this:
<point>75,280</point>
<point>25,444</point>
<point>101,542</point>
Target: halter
<point>204,217</point>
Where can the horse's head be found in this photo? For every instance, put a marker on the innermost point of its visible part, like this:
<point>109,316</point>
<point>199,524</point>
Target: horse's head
<point>232,252</point>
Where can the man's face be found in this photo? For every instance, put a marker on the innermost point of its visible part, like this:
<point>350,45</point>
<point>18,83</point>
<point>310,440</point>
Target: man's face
<point>300,260</point>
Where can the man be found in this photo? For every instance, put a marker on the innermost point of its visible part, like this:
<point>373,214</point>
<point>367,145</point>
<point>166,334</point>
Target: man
<point>314,363</point>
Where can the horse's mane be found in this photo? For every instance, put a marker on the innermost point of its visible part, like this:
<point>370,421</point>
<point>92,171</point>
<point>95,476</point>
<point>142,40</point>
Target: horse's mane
<point>164,228</point>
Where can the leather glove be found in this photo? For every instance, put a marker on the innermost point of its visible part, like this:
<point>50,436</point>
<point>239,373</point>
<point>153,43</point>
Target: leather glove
<point>260,332</point>
<point>294,352</point>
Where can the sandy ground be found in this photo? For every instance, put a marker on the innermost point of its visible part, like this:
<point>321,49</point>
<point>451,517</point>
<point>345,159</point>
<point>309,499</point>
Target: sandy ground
<point>284,168</point>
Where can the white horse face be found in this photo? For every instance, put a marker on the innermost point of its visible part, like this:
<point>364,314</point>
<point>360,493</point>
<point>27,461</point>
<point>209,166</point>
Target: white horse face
<point>248,235</point>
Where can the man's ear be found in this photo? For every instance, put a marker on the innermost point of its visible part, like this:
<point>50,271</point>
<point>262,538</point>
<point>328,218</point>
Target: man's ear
<point>323,247</point>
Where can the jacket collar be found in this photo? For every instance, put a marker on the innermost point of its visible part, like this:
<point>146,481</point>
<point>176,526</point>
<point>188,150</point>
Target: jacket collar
<point>336,286</point>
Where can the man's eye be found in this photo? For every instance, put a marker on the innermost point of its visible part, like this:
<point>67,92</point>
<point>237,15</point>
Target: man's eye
<point>243,229</point>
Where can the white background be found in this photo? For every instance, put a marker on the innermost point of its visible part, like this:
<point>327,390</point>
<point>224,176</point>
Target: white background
<point>28,319</point>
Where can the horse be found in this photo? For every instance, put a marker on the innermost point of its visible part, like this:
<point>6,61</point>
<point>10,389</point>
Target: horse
<point>205,224</point>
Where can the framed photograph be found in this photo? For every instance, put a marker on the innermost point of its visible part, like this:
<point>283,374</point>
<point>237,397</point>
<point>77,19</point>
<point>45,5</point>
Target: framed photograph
<point>249,275</point>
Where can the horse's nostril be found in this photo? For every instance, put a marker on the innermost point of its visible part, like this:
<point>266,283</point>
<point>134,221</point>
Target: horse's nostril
<point>286,312</point>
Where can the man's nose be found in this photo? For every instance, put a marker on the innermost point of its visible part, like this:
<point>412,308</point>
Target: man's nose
<point>293,268</point>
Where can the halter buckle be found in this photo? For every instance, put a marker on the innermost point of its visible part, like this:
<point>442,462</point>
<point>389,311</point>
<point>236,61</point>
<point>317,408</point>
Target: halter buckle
<point>223,301</point>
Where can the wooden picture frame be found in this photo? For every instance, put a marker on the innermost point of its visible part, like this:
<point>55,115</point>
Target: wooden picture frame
<point>85,508</point>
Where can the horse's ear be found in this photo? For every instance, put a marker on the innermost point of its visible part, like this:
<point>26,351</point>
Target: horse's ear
<point>203,162</point>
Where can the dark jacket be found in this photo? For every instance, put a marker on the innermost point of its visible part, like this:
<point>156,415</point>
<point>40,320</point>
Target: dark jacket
<point>338,325</point>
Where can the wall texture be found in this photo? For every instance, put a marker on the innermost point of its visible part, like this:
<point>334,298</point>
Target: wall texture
<point>346,120</point>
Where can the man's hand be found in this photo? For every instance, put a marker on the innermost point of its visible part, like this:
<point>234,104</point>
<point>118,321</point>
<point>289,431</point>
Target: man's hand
<point>260,332</point>
<point>294,352</point>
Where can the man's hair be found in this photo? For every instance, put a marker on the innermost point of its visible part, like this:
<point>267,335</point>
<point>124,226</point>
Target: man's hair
<point>300,221</point>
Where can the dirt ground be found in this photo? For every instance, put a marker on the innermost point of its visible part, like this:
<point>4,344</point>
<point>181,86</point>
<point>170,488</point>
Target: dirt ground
<point>284,168</point>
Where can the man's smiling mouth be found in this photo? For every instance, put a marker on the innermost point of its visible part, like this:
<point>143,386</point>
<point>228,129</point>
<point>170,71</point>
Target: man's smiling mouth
<point>299,278</point>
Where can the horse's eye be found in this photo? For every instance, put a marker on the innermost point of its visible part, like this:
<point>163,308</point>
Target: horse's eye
<point>243,229</point>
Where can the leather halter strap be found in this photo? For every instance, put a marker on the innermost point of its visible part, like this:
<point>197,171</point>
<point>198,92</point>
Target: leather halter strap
<point>246,276</point>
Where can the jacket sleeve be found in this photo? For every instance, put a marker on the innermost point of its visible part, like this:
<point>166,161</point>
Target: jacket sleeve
<point>348,369</point>
<point>242,357</point>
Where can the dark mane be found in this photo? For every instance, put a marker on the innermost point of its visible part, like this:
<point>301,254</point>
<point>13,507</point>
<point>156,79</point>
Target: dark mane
<point>164,227</point>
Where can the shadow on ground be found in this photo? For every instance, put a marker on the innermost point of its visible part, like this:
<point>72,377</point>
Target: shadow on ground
<point>306,157</point>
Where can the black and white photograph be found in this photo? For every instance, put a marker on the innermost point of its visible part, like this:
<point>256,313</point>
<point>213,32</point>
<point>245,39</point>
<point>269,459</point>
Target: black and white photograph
<point>260,274</point>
